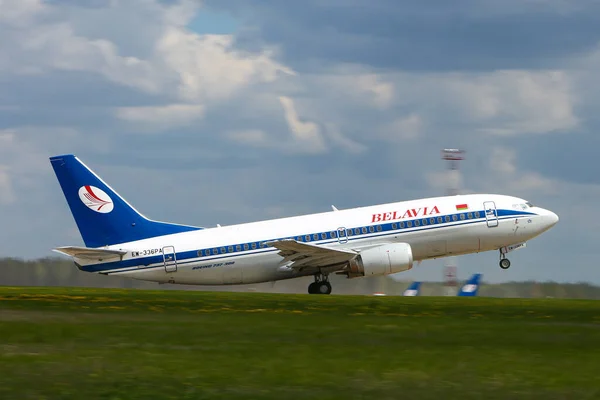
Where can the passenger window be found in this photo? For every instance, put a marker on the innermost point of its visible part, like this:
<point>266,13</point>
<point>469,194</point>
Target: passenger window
<point>455,217</point>
<point>364,230</point>
<point>394,226</point>
<point>253,246</point>
<point>470,215</point>
<point>238,247</point>
<point>307,238</point>
<point>215,251</point>
<point>462,216</point>
<point>246,246</point>
<point>323,236</point>
<point>371,229</point>
<point>230,249</point>
<point>402,225</point>
<point>199,253</point>
<point>477,214</point>
<point>379,229</point>
<point>408,224</point>
<point>447,218</point>
<point>223,250</point>
<point>417,223</point>
<point>432,221</point>
<point>439,219</point>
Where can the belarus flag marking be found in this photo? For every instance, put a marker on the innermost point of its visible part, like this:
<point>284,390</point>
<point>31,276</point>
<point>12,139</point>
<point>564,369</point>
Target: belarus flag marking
<point>461,207</point>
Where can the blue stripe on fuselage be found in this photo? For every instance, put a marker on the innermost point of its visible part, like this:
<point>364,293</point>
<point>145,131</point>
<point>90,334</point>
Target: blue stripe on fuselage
<point>379,230</point>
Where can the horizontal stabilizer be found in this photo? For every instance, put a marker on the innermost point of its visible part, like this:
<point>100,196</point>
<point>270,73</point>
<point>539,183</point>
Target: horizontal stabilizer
<point>87,253</point>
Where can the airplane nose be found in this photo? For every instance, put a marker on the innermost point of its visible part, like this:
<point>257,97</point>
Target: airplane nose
<point>551,218</point>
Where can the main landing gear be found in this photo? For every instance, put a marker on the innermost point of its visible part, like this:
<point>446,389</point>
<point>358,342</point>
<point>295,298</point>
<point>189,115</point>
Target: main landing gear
<point>321,285</point>
<point>504,262</point>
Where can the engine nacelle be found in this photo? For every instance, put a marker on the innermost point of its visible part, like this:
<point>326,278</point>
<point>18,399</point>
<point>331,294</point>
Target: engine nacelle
<point>382,260</point>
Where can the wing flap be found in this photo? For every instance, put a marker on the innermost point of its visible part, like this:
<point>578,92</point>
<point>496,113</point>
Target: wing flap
<point>303,255</point>
<point>87,253</point>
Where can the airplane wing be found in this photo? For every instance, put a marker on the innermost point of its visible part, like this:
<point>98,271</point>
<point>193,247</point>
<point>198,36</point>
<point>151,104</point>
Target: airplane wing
<point>87,253</point>
<point>300,255</point>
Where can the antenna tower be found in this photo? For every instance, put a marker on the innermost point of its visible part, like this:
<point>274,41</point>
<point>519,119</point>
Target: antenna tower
<point>453,158</point>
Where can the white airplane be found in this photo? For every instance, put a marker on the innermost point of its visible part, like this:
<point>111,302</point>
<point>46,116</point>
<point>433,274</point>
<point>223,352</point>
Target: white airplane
<point>360,242</point>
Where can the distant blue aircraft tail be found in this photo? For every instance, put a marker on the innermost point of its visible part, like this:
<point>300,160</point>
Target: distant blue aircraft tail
<point>471,287</point>
<point>413,289</point>
<point>102,216</point>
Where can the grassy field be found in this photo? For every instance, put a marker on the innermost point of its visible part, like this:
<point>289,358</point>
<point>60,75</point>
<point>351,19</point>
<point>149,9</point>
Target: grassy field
<point>118,344</point>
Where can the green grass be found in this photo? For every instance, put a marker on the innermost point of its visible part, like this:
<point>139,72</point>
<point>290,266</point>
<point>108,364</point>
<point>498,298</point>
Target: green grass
<point>119,344</point>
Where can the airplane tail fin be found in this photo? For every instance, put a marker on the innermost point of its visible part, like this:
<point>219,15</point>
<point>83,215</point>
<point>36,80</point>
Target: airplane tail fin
<point>102,216</point>
<point>471,287</point>
<point>413,290</point>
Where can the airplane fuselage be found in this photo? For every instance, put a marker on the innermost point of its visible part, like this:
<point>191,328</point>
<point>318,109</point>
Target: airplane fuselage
<point>240,254</point>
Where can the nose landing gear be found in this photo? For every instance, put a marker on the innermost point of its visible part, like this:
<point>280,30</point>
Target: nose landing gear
<point>321,285</point>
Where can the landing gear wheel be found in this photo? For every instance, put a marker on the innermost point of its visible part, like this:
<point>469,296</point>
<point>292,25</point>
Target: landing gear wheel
<point>323,288</point>
<point>505,263</point>
<point>320,286</point>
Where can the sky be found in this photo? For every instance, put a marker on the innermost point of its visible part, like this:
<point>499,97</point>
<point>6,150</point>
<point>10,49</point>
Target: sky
<point>229,111</point>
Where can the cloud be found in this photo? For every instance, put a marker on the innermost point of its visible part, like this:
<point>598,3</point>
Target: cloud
<point>465,35</point>
<point>380,93</point>
<point>7,194</point>
<point>55,46</point>
<point>507,174</point>
<point>179,63</point>
<point>503,174</point>
<point>15,12</point>
<point>253,137</point>
<point>343,142</point>
<point>162,118</point>
<point>511,102</point>
<point>403,128</point>
<point>23,155</point>
<point>306,133</point>
<point>449,180</point>
<point>207,66</point>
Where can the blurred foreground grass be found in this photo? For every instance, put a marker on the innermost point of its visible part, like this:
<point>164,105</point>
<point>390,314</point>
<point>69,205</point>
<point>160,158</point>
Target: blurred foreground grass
<point>134,344</point>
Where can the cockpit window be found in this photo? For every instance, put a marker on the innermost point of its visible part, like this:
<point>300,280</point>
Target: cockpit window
<point>522,206</point>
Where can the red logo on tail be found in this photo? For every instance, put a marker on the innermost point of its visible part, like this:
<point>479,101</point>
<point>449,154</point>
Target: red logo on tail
<point>95,199</point>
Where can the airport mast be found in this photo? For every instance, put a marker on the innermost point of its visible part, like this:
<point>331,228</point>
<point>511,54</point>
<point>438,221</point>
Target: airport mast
<point>452,156</point>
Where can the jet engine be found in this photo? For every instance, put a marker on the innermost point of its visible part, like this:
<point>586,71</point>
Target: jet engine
<point>381,260</point>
